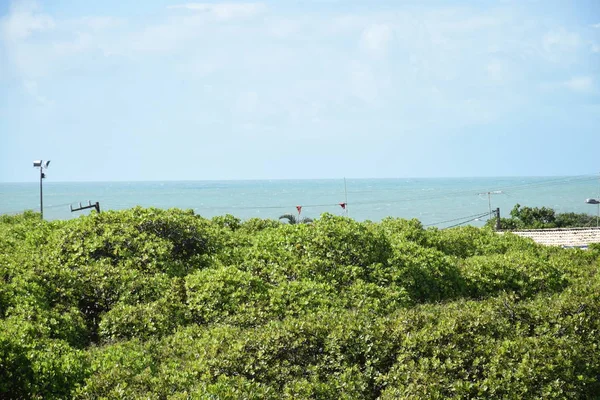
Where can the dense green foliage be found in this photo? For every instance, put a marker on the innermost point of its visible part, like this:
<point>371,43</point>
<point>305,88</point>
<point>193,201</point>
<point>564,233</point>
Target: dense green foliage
<point>542,218</point>
<point>150,303</point>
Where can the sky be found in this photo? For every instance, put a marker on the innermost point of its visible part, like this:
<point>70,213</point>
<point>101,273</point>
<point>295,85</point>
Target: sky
<point>118,90</point>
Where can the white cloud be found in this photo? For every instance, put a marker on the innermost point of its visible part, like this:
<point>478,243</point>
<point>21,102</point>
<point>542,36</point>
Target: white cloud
<point>176,32</point>
<point>81,43</point>
<point>225,11</point>
<point>597,26</point>
<point>595,48</point>
<point>247,102</point>
<point>376,38</point>
<point>495,71</point>
<point>23,20</point>
<point>38,45</point>
<point>561,46</point>
<point>100,23</point>
<point>581,84</point>
<point>560,40</point>
<point>167,36</point>
<point>455,21</point>
<point>283,27</point>
<point>364,83</point>
<point>449,58</point>
<point>348,23</point>
<point>31,87</point>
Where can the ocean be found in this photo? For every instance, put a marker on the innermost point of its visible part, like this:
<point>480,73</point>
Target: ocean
<point>435,201</point>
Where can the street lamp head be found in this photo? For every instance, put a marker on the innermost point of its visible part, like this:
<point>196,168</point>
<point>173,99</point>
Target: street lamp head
<point>592,201</point>
<point>41,164</point>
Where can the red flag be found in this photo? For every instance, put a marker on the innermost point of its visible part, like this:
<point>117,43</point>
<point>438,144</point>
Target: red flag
<point>343,205</point>
<point>299,208</point>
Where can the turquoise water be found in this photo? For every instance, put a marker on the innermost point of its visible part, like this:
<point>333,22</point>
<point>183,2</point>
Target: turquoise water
<point>430,200</point>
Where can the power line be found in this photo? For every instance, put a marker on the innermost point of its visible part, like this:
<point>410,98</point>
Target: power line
<point>29,209</point>
<point>433,196</point>
<point>466,222</point>
<point>486,189</point>
<point>265,207</point>
<point>58,205</point>
<point>458,219</point>
<point>472,191</point>
<point>14,212</point>
<point>551,182</point>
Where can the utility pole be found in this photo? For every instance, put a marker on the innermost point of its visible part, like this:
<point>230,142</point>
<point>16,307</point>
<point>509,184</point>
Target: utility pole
<point>346,198</point>
<point>497,219</point>
<point>489,195</point>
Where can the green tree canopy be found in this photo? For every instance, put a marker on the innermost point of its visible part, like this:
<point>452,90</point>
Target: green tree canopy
<point>165,304</point>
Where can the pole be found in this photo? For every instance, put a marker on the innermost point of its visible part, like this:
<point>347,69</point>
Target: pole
<point>490,202</point>
<point>498,218</point>
<point>41,194</point>
<point>598,214</point>
<point>346,197</point>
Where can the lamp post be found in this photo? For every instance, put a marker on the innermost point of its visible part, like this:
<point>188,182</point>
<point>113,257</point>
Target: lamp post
<point>42,166</point>
<point>595,201</point>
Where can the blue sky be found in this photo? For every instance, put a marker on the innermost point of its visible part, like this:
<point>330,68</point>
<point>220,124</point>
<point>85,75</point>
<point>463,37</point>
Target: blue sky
<point>168,90</point>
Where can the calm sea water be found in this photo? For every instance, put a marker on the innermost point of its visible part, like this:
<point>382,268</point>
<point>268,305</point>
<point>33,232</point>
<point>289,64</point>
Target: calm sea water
<point>430,200</point>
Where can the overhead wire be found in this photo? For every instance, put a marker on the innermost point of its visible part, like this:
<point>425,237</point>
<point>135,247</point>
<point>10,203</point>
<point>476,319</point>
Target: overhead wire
<point>266,207</point>
<point>471,192</point>
<point>550,182</point>
<point>482,189</point>
<point>458,219</point>
<point>45,207</point>
<point>58,205</point>
<point>432,196</point>
<point>12,212</point>
<point>465,222</point>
